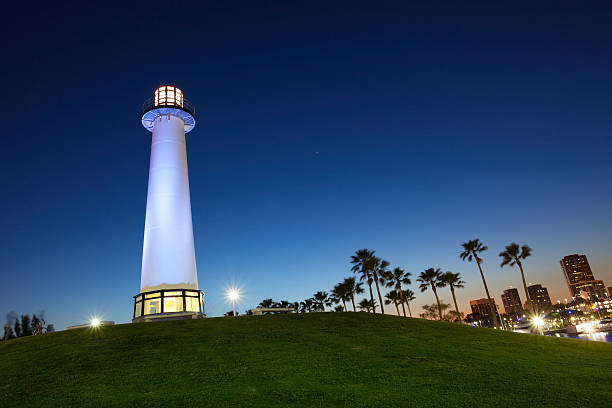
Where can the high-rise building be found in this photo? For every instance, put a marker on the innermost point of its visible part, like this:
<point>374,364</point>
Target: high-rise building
<point>610,291</point>
<point>579,277</point>
<point>592,290</point>
<point>481,313</point>
<point>169,281</point>
<point>512,301</point>
<point>576,269</point>
<point>482,307</point>
<point>540,298</point>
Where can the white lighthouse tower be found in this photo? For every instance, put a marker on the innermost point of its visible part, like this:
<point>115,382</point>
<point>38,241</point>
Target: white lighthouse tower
<point>169,280</point>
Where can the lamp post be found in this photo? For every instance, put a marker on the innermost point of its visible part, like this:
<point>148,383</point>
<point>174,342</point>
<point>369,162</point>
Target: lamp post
<point>233,295</point>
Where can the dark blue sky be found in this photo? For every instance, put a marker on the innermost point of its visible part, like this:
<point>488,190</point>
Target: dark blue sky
<point>321,129</point>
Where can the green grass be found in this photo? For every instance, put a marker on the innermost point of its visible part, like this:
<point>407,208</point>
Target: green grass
<point>305,360</point>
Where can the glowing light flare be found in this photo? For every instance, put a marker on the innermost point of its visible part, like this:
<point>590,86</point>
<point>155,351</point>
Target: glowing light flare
<point>233,295</point>
<point>95,322</point>
<point>538,322</point>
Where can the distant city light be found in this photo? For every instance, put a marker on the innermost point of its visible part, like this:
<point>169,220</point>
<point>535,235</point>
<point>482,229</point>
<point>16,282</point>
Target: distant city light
<point>586,328</point>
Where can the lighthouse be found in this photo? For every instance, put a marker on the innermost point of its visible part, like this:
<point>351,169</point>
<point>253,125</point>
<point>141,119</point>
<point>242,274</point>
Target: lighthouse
<point>169,281</point>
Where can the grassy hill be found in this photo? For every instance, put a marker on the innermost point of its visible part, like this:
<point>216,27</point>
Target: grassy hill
<point>305,360</point>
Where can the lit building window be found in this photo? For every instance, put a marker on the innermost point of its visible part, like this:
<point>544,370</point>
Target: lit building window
<point>192,304</point>
<point>152,306</point>
<point>173,304</point>
<point>137,309</point>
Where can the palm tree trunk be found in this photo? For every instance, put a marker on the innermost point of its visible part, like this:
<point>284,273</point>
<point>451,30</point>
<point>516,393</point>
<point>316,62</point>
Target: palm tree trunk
<point>437,301</point>
<point>408,305</point>
<point>491,304</point>
<point>454,299</point>
<point>396,307</point>
<point>401,292</point>
<point>520,265</point>
<point>382,308</point>
<point>344,302</point>
<point>371,294</point>
<point>353,301</point>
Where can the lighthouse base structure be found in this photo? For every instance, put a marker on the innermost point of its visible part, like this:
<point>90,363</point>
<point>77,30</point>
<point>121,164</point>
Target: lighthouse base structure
<point>171,304</point>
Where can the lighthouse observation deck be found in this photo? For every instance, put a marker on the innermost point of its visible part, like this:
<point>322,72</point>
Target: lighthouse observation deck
<point>170,100</point>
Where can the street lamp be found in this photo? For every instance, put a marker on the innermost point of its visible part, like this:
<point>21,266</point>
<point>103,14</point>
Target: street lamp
<point>233,294</point>
<point>538,322</point>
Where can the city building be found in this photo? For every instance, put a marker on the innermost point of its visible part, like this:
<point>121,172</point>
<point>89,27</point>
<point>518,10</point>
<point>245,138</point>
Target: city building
<point>481,306</point>
<point>512,302</point>
<point>540,298</point>
<point>592,290</point>
<point>580,279</point>
<point>481,313</point>
<point>169,281</point>
<point>610,291</point>
<point>602,308</point>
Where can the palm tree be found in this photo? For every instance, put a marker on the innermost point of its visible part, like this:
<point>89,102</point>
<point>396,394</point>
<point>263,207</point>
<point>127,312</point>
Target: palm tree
<point>430,278</point>
<point>320,299</point>
<point>453,280</point>
<point>408,297</point>
<point>512,256</point>
<point>395,279</point>
<point>353,288</point>
<point>307,305</point>
<point>266,303</point>
<point>363,263</point>
<point>331,300</point>
<point>393,297</point>
<point>283,304</point>
<point>367,305</point>
<point>340,293</point>
<point>471,249</point>
<point>378,274</point>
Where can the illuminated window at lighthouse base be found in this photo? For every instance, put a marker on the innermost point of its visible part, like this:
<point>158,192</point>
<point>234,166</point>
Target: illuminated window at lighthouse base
<point>192,304</point>
<point>152,306</point>
<point>165,302</point>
